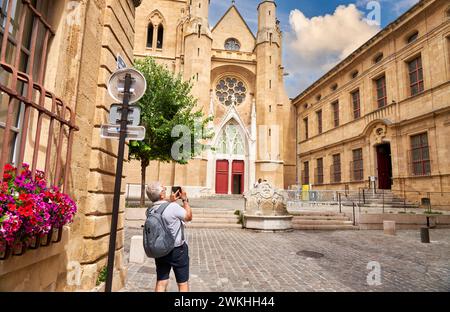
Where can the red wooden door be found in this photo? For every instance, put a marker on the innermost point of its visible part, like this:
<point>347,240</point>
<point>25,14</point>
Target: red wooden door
<point>238,170</point>
<point>384,167</point>
<point>222,170</point>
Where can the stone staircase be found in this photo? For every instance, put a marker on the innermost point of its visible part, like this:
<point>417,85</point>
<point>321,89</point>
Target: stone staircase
<point>216,212</point>
<point>377,200</point>
<point>322,220</point>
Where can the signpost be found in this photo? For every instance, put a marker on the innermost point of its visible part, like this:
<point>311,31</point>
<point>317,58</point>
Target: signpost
<point>113,132</point>
<point>121,62</point>
<point>126,85</point>
<point>134,115</point>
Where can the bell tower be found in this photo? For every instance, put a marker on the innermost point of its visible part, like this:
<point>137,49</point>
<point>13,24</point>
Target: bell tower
<point>197,52</point>
<point>269,163</point>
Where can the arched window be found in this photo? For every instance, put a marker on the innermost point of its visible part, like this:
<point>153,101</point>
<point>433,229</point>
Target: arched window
<point>378,58</point>
<point>232,45</point>
<point>150,31</point>
<point>231,91</point>
<point>159,43</point>
<point>413,37</point>
<point>354,74</point>
<point>231,141</point>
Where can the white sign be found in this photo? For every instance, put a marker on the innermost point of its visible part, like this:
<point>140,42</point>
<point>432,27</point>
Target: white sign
<point>134,115</point>
<point>121,62</point>
<point>116,85</point>
<point>113,132</point>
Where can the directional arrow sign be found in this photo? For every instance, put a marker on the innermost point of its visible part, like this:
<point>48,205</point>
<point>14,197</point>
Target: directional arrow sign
<point>113,132</point>
<point>121,62</point>
<point>134,115</point>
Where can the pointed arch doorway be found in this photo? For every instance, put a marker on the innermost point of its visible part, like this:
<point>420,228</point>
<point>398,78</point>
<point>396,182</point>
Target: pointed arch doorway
<point>231,160</point>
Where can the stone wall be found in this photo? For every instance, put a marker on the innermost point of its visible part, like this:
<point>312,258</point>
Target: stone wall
<point>81,59</point>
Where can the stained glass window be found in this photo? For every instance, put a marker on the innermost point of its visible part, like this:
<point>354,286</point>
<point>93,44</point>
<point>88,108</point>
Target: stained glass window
<point>232,45</point>
<point>230,90</point>
<point>231,141</point>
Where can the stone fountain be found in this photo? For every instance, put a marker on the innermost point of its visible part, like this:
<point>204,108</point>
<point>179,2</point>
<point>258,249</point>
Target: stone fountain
<point>265,209</point>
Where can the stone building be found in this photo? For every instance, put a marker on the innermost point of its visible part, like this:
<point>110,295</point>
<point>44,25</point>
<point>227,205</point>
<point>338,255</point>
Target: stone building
<point>53,99</point>
<point>238,79</point>
<point>384,112</point>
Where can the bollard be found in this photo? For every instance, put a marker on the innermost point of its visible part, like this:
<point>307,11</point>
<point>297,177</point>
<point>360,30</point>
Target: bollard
<point>389,227</point>
<point>137,253</point>
<point>425,235</point>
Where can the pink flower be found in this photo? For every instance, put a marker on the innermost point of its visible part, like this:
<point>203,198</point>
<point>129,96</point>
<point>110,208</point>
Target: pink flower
<point>35,211</point>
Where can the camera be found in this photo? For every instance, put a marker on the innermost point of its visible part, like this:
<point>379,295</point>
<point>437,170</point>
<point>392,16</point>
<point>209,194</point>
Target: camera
<point>176,189</point>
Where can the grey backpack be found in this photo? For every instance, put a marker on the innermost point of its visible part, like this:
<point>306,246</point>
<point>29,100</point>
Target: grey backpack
<point>158,239</point>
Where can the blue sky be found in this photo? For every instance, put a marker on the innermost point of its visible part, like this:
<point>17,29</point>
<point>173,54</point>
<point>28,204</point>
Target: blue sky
<point>317,32</point>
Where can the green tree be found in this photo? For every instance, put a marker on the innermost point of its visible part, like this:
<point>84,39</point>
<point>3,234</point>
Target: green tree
<point>167,103</point>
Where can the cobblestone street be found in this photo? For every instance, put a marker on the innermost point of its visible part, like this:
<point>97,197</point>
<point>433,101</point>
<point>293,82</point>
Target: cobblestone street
<point>239,260</point>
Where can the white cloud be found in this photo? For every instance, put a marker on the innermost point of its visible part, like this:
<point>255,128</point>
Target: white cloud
<point>314,45</point>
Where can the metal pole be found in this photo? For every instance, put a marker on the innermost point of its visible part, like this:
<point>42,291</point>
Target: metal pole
<point>118,184</point>
<point>354,218</point>
<point>383,200</point>
<point>340,203</point>
<point>364,196</point>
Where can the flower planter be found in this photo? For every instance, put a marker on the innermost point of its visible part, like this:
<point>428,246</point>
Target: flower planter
<point>57,234</point>
<point>46,239</point>
<point>19,249</point>
<point>35,242</point>
<point>6,253</point>
<point>28,207</point>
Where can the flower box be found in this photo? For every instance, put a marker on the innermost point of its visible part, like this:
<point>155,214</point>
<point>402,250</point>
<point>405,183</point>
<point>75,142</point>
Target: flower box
<point>32,214</point>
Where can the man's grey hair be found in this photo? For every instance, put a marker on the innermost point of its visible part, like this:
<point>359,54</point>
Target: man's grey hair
<point>153,191</point>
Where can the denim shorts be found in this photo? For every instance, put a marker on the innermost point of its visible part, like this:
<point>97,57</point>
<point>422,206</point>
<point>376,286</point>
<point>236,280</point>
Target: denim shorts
<point>178,259</point>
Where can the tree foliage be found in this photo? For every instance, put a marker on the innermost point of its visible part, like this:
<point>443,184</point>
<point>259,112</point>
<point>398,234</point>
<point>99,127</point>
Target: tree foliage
<point>167,103</point>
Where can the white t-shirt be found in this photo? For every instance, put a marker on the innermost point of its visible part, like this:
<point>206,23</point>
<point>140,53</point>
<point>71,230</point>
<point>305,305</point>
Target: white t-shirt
<point>174,216</point>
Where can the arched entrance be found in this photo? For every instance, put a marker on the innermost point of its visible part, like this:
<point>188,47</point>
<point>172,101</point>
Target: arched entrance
<point>231,161</point>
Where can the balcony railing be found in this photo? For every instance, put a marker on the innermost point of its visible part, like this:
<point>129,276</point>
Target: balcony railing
<point>419,165</point>
<point>305,177</point>
<point>356,171</point>
<point>335,174</point>
<point>318,176</point>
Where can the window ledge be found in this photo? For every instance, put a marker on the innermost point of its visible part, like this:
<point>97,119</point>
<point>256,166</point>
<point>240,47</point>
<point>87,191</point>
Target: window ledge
<point>15,263</point>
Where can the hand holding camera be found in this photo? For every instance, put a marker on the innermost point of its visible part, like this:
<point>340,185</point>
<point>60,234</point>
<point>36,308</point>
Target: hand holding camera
<point>178,193</point>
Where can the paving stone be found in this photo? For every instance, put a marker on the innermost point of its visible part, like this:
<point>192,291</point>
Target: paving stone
<point>238,260</point>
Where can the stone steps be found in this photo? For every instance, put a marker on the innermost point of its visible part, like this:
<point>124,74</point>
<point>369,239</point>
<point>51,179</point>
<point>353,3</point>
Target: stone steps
<point>213,211</point>
<point>215,220</point>
<point>316,213</point>
<point>320,222</point>
<point>214,225</point>
<point>226,204</point>
<point>324,227</point>
<point>342,218</point>
<point>325,221</point>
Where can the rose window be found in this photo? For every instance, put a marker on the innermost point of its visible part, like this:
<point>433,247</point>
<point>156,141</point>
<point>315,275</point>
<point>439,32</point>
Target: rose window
<point>232,45</point>
<point>230,90</point>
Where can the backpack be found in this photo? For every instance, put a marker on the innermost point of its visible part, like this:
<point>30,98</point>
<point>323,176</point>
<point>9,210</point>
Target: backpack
<point>158,239</point>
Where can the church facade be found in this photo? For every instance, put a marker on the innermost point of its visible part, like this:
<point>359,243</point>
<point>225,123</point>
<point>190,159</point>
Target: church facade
<point>238,80</point>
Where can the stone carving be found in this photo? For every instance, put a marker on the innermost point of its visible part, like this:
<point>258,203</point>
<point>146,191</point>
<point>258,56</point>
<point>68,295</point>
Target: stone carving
<point>264,200</point>
<point>380,133</point>
<point>265,209</point>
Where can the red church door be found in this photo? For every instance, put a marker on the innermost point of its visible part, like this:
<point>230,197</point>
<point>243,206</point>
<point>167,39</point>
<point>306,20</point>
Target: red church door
<point>238,176</point>
<point>222,170</point>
